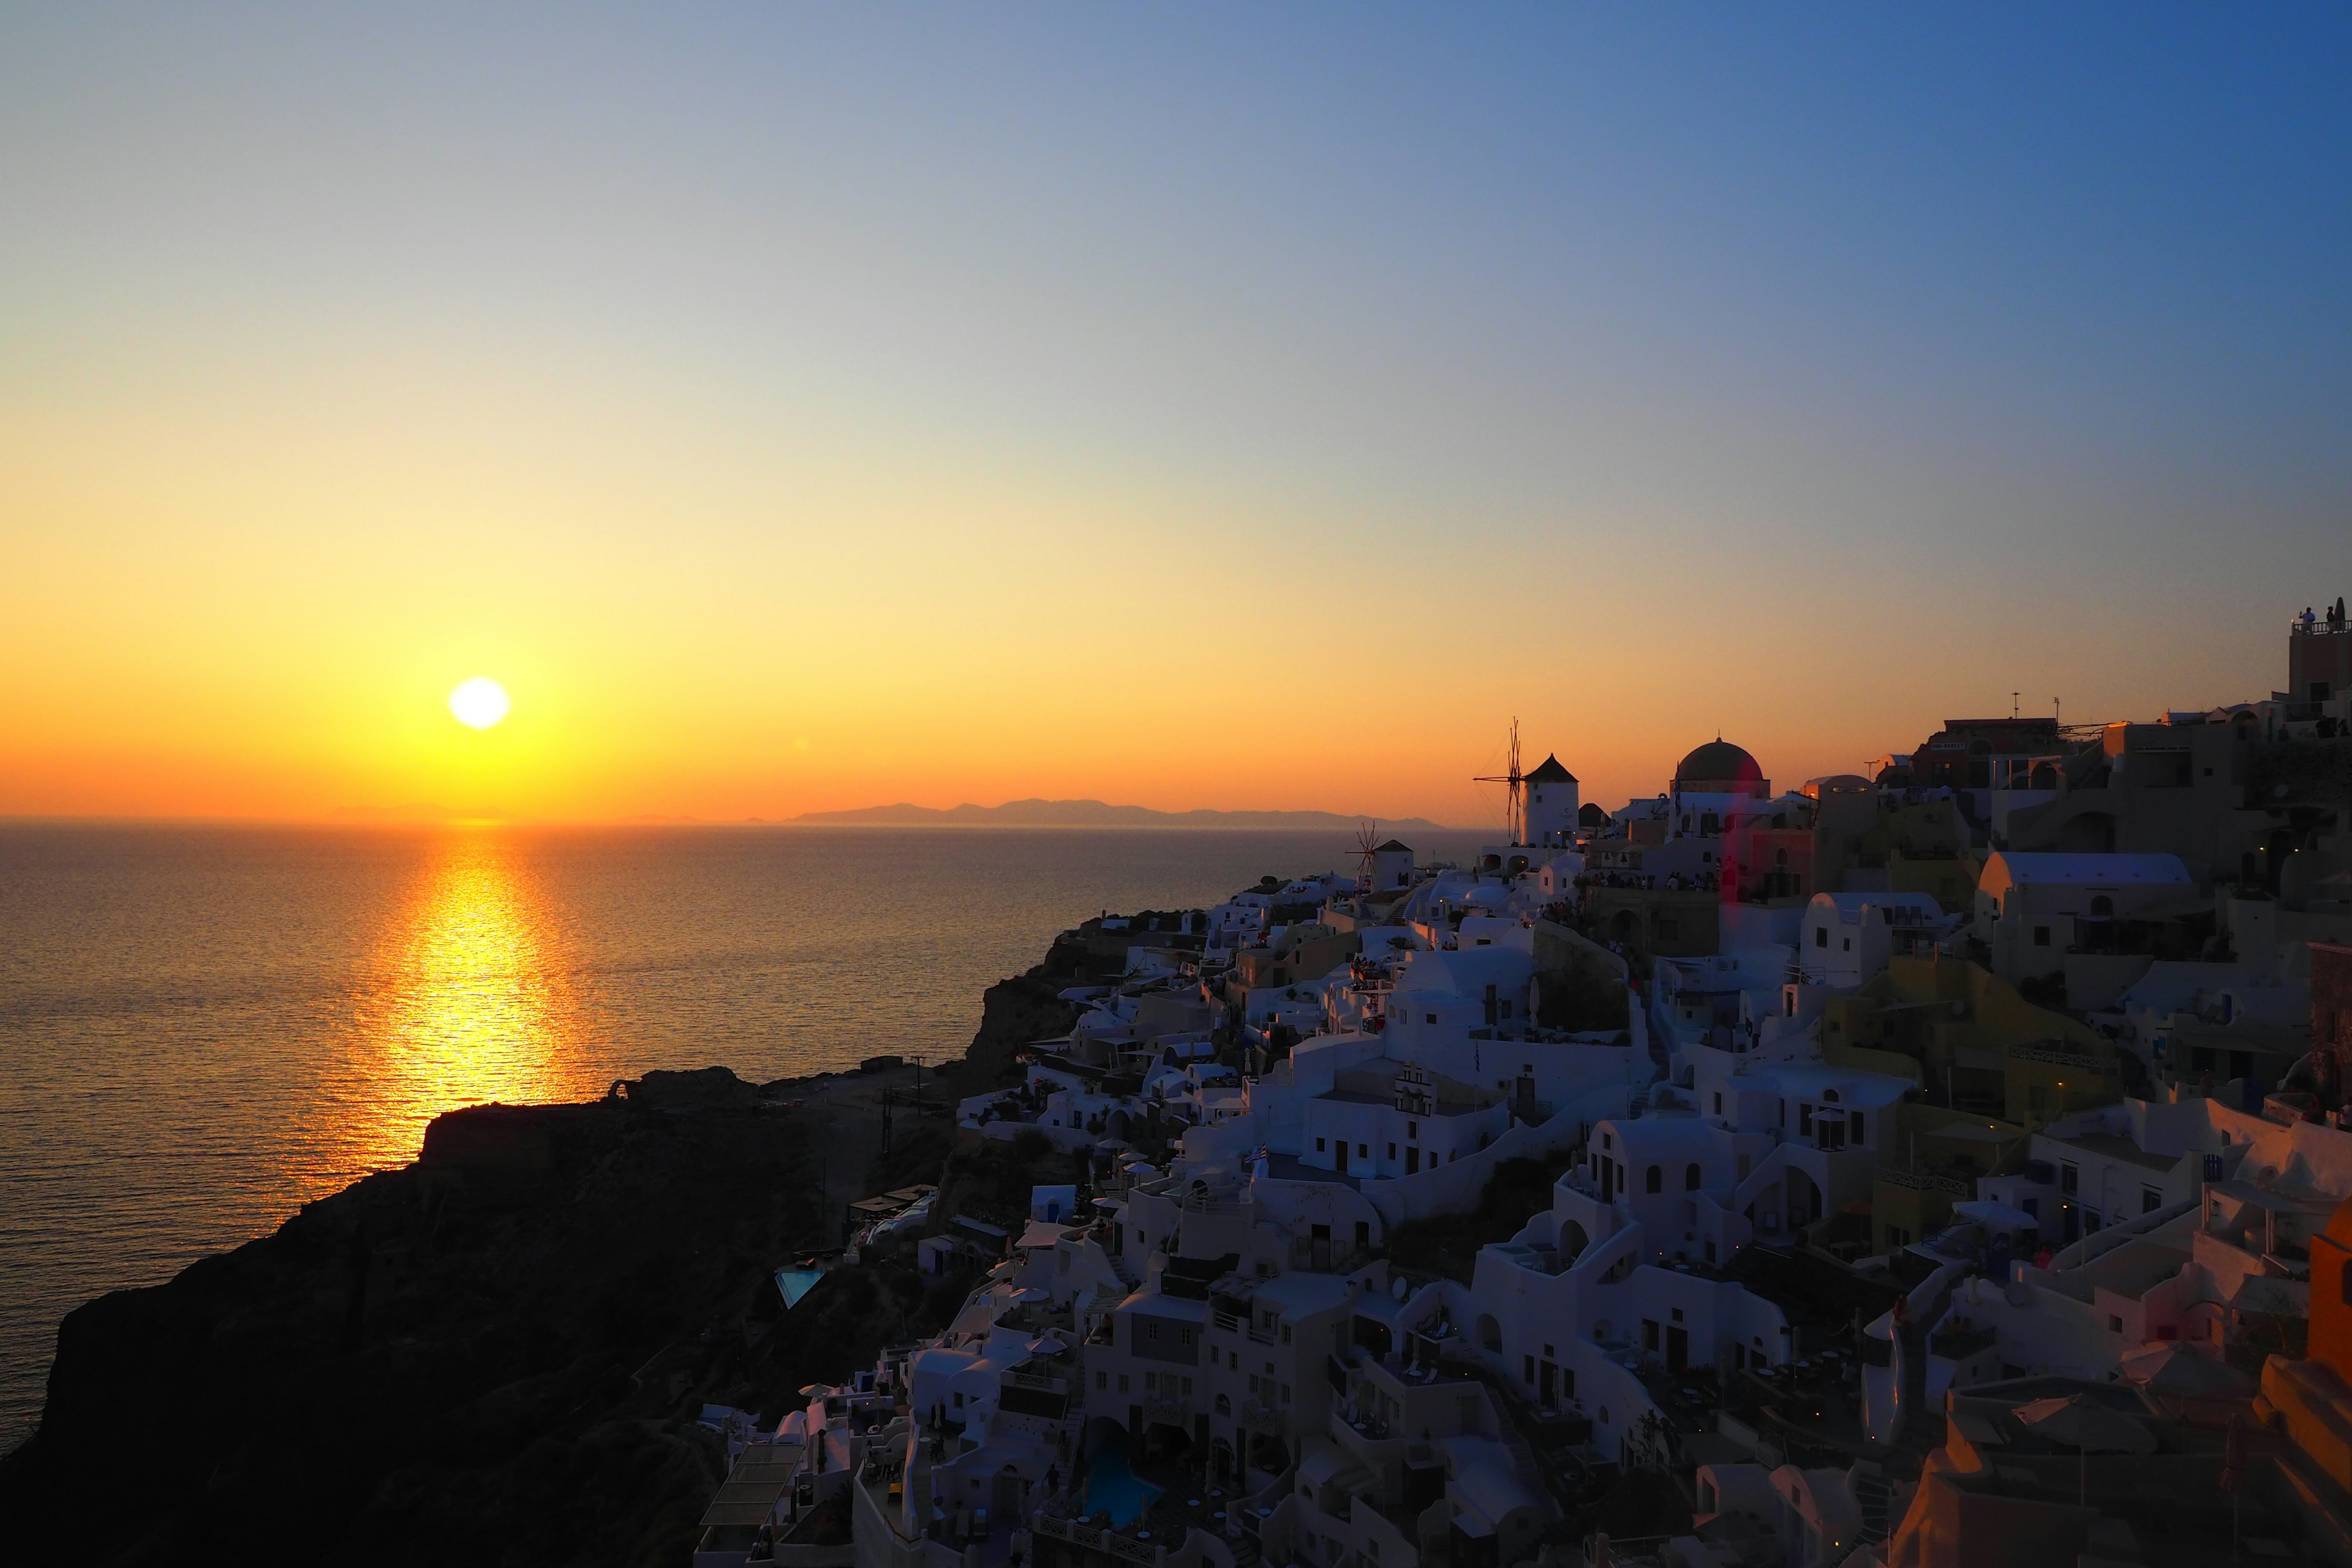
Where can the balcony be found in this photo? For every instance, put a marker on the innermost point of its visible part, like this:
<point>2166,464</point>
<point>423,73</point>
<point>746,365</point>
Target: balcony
<point>1260,1417</point>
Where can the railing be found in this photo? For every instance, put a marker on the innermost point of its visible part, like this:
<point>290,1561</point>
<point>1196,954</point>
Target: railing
<point>1198,1202</point>
<point>2053,1056</point>
<point>2318,626</point>
<point>1260,1417</point>
<point>1090,1538</point>
<point>1036,1380</point>
<point>1919,1181</point>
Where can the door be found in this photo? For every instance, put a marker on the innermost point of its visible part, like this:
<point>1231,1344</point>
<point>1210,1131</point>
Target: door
<point>1608,1181</point>
<point>1548,1384</point>
<point>1678,1347</point>
<point>1412,1160</point>
<point>1343,1156</point>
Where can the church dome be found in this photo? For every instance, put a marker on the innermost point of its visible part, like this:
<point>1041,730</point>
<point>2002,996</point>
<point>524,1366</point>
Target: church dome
<point>1718,762</point>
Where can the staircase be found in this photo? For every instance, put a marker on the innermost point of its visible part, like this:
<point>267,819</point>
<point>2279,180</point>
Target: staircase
<point>1874,1498</point>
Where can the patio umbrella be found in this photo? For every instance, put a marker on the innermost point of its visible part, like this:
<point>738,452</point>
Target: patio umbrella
<point>2086,1427</point>
<point>2093,1428</point>
<point>2174,1369</point>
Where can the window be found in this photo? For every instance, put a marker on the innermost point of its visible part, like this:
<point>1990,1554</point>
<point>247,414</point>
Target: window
<point>1413,1131</point>
<point>1318,1146</point>
<point>1528,1368</point>
<point>2115,1323</point>
<point>1855,1120</point>
<point>2042,936</point>
<point>1804,1121</point>
<point>1122,1383</point>
<point>1719,1102</point>
<point>1102,1380</point>
<point>1363,1150</point>
<point>1151,1331</point>
<point>1429,1019</point>
<point>1285,1333</point>
<point>1286,1394</point>
<point>1845,945</point>
<point>2068,1177</point>
<point>1690,1178</point>
<point>959,1401</point>
<point>1820,936</point>
<point>2150,1200</point>
<point>1184,1338</point>
<point>1151,1383</point>
<point>1678,1314</point>
<point>1654,1181</point>
<point>1392,1151</point>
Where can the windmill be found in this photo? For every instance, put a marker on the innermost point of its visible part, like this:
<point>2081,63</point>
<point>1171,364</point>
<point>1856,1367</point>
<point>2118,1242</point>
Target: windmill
<point>1368,844</point>
<point>1517,781</point>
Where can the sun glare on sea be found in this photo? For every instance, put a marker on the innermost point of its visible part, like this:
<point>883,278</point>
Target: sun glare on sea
<point>472,1006</point>
<point>479,703</point>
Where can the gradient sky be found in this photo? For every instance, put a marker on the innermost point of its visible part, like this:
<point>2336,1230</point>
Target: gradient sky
<point>1235,408</point>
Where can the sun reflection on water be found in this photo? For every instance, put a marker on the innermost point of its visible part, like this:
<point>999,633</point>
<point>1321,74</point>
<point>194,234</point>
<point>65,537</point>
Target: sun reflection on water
<point>473,1007</point>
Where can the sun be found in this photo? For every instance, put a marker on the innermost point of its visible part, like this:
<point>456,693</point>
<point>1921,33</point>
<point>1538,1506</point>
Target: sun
<point>479,702</point>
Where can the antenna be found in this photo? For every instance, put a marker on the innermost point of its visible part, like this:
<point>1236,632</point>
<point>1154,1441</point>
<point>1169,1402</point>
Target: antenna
<point>1517,781</point>
<point>2012,704</point>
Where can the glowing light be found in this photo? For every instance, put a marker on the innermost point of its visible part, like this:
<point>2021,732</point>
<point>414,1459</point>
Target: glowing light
<point>479,703</point>
<point>474,1007</point>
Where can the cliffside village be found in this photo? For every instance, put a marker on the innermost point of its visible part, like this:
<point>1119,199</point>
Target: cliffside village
<point>1944,1165</point>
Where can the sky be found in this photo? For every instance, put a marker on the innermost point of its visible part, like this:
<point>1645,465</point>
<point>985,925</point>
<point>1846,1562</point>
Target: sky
<point>799,408</point>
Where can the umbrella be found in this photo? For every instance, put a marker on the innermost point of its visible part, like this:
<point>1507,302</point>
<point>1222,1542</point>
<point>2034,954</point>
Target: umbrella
<point>2086,1427</point>
<point>2173,1368</point>
<point>2093,1428</point>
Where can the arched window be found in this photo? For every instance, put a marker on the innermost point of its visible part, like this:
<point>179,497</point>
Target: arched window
<point>2102,906</point>
<point>1690,1177</point>
<point>1830,1095</point>
<point>1656,1181</point>
<point>1224,1405</point>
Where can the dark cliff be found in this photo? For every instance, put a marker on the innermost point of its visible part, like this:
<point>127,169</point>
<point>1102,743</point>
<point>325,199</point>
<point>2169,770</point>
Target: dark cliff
<point>492,1356</point>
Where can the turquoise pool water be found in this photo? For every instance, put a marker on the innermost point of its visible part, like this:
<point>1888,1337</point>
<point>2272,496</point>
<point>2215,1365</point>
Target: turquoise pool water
<point>1112,1486</point>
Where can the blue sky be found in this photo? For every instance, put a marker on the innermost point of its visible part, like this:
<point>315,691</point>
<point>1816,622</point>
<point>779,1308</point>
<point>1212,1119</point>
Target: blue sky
<point>1807,372</point>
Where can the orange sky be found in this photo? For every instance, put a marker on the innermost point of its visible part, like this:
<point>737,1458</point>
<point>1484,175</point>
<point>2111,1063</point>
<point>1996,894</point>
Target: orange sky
<point>797,412</point>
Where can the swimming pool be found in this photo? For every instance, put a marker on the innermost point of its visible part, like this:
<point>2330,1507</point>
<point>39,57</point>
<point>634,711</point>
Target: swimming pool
<point>1112,1486</point>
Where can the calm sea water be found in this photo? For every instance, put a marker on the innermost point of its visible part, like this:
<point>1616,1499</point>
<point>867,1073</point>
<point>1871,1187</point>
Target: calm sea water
<point>203,1029</point>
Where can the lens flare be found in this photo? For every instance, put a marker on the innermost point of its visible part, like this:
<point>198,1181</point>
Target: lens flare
<point>479,702</point>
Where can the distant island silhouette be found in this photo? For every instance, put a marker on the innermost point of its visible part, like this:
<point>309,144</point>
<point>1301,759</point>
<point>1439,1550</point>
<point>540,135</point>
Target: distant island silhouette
<point>1099,813</point>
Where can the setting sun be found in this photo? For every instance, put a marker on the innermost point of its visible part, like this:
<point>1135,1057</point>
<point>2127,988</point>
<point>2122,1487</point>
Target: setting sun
<point>479,702</point>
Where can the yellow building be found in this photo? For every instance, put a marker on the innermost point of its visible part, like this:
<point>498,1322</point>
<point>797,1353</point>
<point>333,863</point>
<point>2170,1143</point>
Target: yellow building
<point>1978,1045</point>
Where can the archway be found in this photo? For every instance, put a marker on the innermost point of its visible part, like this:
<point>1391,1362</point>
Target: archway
<point>1490,1333</point>
<point>1805,1199</point>
<point>1573,1241</point>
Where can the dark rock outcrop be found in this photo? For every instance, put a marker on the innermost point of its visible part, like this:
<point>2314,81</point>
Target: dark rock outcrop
<point>492,1356</point>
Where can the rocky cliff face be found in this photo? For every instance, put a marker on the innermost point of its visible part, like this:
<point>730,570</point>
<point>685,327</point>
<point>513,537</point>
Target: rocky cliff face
<point>494,1355</point>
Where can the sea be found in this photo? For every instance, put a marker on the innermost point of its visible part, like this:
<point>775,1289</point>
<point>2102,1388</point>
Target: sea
<point>203,1027</point>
